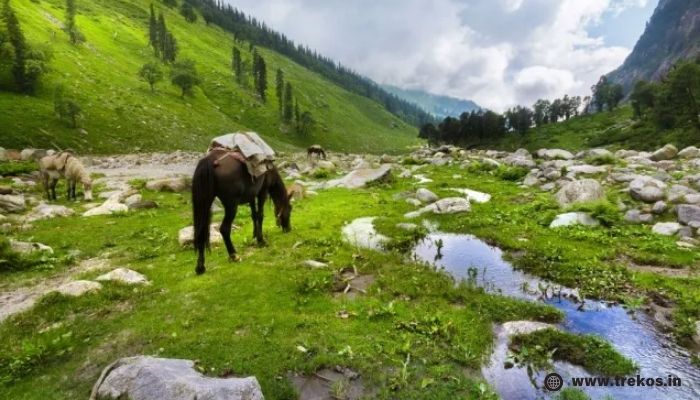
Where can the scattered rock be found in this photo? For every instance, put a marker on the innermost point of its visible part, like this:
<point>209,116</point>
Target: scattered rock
<point>176,185</point>
<point>573,218</point>
<point>450,205</point>
<point>659,208</point>
<point>665,153</point>
<point>360,177</point>
<point>513,328</point>
<point>111,206</point>
<point>78,288</point>
<point>637,217</point>
<point>150,378</point>
<point>647,189</point>
<point>689,152</point>
<point>11,203</point>
<point>186,235</point>
<point>688,213</point>
<point>666,228</point>
<point>554,154</point>
<point>580,191</point>
<point>133,199</point>
<point>315,264</point>
<point>45,211</point>
<point>29,247</point>
<point>474,196</point>
<point>143,205</point>
<point>124,275</point>
<point>426,196</point>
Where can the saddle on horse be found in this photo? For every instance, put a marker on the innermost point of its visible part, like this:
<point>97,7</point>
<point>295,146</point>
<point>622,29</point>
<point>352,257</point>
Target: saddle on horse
<point>248,148</point>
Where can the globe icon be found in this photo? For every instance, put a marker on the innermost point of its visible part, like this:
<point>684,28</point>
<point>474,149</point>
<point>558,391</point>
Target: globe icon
<point>553,382</point>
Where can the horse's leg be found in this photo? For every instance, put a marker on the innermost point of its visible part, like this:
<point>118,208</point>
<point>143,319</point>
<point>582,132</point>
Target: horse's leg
<point>230,210</point>
<point>45,181</point>
<point>52,187</point>
<point>71,190</point>
<point>262,197</point>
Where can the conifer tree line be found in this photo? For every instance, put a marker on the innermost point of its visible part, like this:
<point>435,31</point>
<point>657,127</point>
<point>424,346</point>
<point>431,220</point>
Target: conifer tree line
<point>161,39</point>
<point>25,63</point>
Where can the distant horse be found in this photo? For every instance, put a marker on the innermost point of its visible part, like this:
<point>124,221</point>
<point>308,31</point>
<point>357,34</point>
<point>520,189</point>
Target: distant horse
<point>218,175</point>
<point>64,164</point>
<point>315,149</point>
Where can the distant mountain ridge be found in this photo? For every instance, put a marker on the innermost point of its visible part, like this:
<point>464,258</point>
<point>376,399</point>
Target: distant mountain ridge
<point>672,34</point>
<point>438,105</point>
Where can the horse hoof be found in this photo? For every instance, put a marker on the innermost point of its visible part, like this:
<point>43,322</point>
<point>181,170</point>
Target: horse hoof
<point>234,258</point>
<point>200,270</point>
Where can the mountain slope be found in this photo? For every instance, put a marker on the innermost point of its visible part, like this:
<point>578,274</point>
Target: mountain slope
<point>673,33</point>
<point>120,114</point>
<point>437,105</point>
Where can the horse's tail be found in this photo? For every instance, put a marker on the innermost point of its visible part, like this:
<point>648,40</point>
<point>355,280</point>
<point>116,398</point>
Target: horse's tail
<point>202,198</point>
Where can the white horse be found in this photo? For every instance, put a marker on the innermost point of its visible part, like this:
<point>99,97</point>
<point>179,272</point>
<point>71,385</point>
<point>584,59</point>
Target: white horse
<point>64,165</point>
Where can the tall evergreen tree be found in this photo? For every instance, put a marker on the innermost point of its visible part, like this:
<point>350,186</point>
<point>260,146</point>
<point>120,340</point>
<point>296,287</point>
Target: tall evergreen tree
<point>297,114</point>
<point>237,64</point>
<point>279,90</point>
<point>260,76</point>
<point>187,11</point>
<point>288,112</point>
<point>16,39</point>
<point>71,27</point>
<point>153,31</point>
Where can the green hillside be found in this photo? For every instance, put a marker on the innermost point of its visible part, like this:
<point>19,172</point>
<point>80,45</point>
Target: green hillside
<point>120,114</point>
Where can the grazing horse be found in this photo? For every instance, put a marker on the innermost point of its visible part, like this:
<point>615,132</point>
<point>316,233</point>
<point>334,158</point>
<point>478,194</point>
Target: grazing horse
<point>223,174</point>
<point>64,164</point>
<point>315,149</point>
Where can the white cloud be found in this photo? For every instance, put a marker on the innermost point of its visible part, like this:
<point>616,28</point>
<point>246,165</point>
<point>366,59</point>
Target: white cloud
<point>496,52</point>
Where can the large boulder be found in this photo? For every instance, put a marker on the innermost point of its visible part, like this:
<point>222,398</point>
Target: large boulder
<point>426,196</point>
<point>666,228</point>
<point>186,235</point>
<point>688,213</point>
<point>124,275</point>
<point>647,189</point>
<point>176,185</point>
<point>150,378</point>
<point>635,216</point>
<point>573,218</point>
<point>11,203</point>
<point>360,177</point>
<point>111,206</point>
<point>689,152</point>
<point>29,247</point>
<point>554,154</point>
<point>665,153</point>
<point>580,191</point>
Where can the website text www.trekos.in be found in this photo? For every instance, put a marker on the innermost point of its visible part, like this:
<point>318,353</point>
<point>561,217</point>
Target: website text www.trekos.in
<point>555,382</point>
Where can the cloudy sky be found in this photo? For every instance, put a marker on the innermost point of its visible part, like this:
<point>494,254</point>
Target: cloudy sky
<point>495,52</point>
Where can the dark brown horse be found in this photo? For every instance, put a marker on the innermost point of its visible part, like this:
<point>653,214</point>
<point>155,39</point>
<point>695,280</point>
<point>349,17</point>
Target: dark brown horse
<point>222,174</point>
<point>315,149</point>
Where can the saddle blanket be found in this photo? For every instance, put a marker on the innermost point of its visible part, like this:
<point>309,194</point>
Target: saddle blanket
<point>258,155</point>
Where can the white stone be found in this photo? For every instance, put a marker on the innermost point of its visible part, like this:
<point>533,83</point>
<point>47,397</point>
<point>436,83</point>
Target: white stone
<point>78,288</point>
<point>665,153</point>
<point>12,203</point>
<point>133,199</point>
<point>580,191</point>
<point>666,228</point>
<point>554,154</point>
<point>689,152</point>
<point>186,235</point>
<point>359,178</point>
<point>474,196</point>
<point>573,218</point>
<point>361,233</point>
<point>449,205</point>
<point>111,206</point>
<point>45,211</point>
<point>150,378</point>
<point>29,247</point>
<point>315,264</point>
<point>124,275</point>
<point>426,196</point>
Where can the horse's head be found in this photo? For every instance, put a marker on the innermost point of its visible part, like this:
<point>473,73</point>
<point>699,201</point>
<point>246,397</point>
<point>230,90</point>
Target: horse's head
<point>283,215</point>
<point>87,188</point>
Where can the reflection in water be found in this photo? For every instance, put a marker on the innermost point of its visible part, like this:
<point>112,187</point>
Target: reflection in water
<point>633,334</point>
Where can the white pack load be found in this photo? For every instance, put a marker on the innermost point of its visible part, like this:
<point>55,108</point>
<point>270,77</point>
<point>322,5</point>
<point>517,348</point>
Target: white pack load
<point>258,155</point>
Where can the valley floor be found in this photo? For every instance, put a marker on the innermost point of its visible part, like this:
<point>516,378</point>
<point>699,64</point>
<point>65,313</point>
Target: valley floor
<point>405,327</point>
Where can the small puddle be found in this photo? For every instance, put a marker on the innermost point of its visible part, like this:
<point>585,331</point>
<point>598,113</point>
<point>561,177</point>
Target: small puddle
<point>632,333</point>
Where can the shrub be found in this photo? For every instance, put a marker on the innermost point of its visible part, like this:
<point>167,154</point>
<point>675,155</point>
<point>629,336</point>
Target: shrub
<point>511,173</point>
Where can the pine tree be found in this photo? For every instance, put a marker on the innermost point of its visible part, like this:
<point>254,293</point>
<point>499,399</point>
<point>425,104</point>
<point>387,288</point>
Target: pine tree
<point>279,90</point>
<point>297,117</point>
<point>153,31</point>
<point>16,39</point>
<point>187,11</point>
<point>161,33</point>
<point>288,103</point>
<point>259,76</point>
<point>236,64</point>
<point>71,27</point>
<point>170,47</point>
